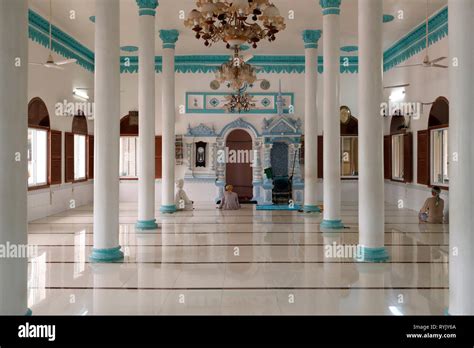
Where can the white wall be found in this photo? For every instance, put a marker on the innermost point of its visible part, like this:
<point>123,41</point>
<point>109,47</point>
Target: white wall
<point>53,86</point>
<point>291,83</point>
<point>426,84</point>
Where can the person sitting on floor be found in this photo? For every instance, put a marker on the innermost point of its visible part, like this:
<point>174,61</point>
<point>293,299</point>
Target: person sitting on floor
<point>181,200</point>
<point>433,210</point>
<point>230,201</point>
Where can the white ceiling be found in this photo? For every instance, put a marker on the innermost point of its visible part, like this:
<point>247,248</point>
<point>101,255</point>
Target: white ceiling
<point>307,16</point>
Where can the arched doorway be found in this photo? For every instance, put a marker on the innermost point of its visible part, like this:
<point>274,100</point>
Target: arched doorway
<point>238,169</point>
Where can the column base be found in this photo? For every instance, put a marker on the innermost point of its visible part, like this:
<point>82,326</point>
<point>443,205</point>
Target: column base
<point>372,254</point>
<point>332,224</point>
<point>168,209</point>
<point>311,208</point>
<point>146,225</point>
<point>446,311</point>
<point>29,312</point>
<point>106,255</point>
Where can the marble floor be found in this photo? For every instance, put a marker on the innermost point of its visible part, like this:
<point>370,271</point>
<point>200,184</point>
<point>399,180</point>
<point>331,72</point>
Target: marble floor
<point>242,262</point>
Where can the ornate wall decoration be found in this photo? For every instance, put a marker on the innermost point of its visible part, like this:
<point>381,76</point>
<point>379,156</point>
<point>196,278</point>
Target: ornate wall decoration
<point>201,131</point>
<point>213,103</point>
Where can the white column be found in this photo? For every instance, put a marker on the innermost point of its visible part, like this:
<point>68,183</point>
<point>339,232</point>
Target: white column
<point>169,38</point>
<point>107,132</point>
<point>311,38</point>
<point>461,163</point>
<point>257,171</point>
<point>371,178</point>
<point>13,153</point>
<point>331,120</point>
<point>146,123</point>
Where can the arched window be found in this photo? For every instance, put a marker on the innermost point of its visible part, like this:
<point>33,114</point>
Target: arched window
<point>438,126</point>
<point>38,134</point>
<point>398,150</point>
<point>350,148</point>
<point>77,148</point>
<point>129,146</point>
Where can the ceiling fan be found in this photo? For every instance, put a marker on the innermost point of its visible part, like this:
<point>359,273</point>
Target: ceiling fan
<point>50,63</point>
<point>427,62</point>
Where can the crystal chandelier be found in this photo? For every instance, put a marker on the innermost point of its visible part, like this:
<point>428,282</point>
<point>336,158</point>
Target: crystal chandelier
<point>236,72</point>
<point>235,21</point>
<point>239,102</point>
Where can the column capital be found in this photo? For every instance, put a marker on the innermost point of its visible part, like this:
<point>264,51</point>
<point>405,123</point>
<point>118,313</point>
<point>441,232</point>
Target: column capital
<point>330,7</point>
<point>169,37</point>
<point>147,7</point>
<point>311,38</point>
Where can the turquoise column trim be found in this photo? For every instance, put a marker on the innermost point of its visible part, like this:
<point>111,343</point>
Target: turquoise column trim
<point>332,224</point>
<point>311,38</point>
<point>146,225</point>
<point>147,7</point>
<point>146,12</point>
<point>106,255</point>
<point>446,311</point>
<point>311,209</point>
<point>29,312</point>
<point>366,254</point>
<point>330,7</point>
<point>168,209</point>
<point>169,37</point>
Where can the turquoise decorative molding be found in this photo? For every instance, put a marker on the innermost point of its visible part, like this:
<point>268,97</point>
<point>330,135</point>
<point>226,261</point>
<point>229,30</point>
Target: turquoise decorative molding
<point>29,312</point>
<point>62,43</point>
<point>311,209</point>
<point>281,125</point>
<point>168,209</point>
<point>269,64</point>
<point>282,138</point>
<point>92,19</point>
<point>387,18</point>
<point>330,7</point>
<point>414,41</point>
<point>239,123</point>
<point>311,38</point>
<point>371,254</point>
<point>147,7</point>
<point>332,224</point>
<point>129,48</point>
<point>349,48</point>
<point>106,255</point>
<point>169,38</point>
<point>201,131</point>
<point>403,49</point>
<point>211,102</point>
<point>146,225</point>
<point>294,207</point>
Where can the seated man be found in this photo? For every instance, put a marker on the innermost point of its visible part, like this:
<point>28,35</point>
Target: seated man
<point>433,210</point>
<point>181,200</point>
<point>230,201</point>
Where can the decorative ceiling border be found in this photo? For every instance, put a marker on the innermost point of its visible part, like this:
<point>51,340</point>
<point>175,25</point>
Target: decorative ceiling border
<point>209,64</point>
<point>411,44</point>
<point>414,41</point>
<point>63,44</point>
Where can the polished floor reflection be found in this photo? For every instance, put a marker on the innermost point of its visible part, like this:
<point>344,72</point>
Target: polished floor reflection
<point>243,262</point>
